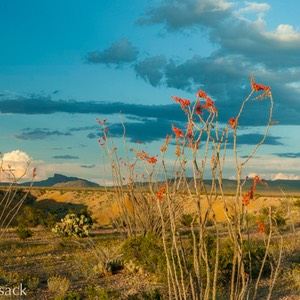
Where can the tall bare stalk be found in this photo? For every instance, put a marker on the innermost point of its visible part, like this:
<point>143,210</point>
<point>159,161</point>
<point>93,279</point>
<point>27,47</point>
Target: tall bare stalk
<point>9,203</point>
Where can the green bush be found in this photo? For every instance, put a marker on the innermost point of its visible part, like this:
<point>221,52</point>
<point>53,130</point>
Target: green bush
<point>277,217</point>
<point>186,219</point>
<point>69,296</point>
<point>150,295</point>
<point>74,224</point>
<point>32,282</point>
<point>147,252</point>
<point>253,255</point>
<point>91,293</point>
<point>24,233</point>
<point>58,286</point>
<point>32,217</point>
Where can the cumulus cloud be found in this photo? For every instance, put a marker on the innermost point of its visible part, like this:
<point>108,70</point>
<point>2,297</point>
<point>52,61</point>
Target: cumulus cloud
<point>245,47</point>
<point>254,7</point>
<point>179,14</point>
<point>285,33</point>
<point>151,69</point>
<point>16,161</point>
<point>284,176</point>
<point>118,53</point>
<point>276,176</point>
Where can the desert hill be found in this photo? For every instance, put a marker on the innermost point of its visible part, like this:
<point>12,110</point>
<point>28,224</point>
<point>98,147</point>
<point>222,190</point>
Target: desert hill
<point>59,194</point>
<point>59,180</point>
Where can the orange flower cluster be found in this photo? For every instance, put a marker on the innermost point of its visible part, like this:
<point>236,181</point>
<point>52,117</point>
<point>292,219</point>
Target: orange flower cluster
<point>201,94</point>
<point>232,123</point>
<point>199,110</point>
<point>247,196</point>
<point>259,87</point>
<point>209,103</point>
<point>152,160</point>
<point>261,226</point>
<point>246,199</point>
<point>183,102</point>
<point>160,193</point>
<point>177,131</point>
<point>144,156</point>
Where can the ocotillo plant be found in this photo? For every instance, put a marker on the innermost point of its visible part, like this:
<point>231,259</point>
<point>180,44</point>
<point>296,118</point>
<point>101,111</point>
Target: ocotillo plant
<point>215,259</point>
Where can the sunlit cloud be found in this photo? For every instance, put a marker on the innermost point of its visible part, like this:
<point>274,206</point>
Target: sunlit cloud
<point>15,163</point>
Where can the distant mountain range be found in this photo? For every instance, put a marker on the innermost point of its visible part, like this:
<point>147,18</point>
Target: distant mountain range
<point>59,180</point>
<point>229,186</point>
<point>270,186</point>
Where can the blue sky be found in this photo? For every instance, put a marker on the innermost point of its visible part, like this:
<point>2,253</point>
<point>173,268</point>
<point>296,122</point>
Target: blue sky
<point>64,63</point>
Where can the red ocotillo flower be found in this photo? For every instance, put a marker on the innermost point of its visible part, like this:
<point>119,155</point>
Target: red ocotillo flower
<point>161,191</point>
<point>259,87</point>
<point>233,123</point>
<point>178,132</point>
<point>181,101</point>
<point>152,160</point>
<point>261,226</point>
<point>246,198</point>
<point>201,94</point>
<point>199,108</point>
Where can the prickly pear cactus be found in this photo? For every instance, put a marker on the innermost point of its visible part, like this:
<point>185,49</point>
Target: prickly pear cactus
<point>74,224</point>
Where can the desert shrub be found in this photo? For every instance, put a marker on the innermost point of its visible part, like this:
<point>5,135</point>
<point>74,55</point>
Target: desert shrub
<point>70,296</point>
<point>277,217</point>
<point>187,219</point>
<point>146,295</point>
<point>58,285</point>
<point>294,277</point>
<point>11,278</point>
<point>253,254</point>
<point>74,224</point>
<point>147,252</point>
<point>108,266</point>
<point>24,233</point>
<point>91,293</point>
<point>32,282</point>
<point>28,218</point>
<point>47,219</point>
<point>32,217</point>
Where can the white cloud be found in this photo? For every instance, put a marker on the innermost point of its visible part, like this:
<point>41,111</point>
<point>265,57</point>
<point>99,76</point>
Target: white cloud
<point>212,5</point>
<point>284,176</point>
<point>255,7</point>
<point>17,162</point>
<point>276,176</point>
<point>284,33</point>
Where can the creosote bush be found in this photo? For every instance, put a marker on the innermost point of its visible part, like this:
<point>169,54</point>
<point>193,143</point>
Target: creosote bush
<point>146,252</point>
<point>24,233</point>
<point>58,285</point>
